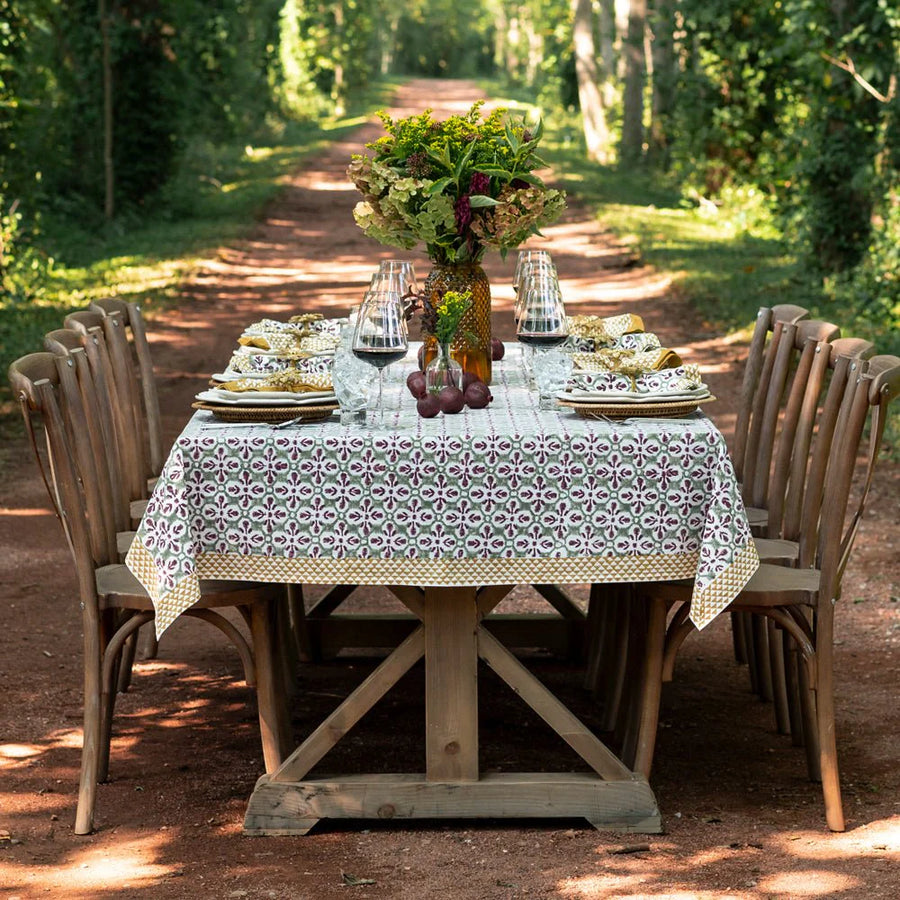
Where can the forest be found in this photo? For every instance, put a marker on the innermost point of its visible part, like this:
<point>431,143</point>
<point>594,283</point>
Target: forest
<point>783,115</point>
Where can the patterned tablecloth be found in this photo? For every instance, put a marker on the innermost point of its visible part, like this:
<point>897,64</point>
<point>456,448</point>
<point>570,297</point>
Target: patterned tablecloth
<point>508,494</point>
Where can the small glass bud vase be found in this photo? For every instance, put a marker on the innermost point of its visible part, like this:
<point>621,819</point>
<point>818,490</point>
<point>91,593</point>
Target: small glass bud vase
<point>443,371</point>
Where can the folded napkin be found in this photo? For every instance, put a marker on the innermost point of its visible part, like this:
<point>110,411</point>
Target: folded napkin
<point>294,382</point>
<point>604,330</point>
<point>273,326</point>
<point>614,359</point>
<point>270,341</point>
<point>680,380</point>
<point>320,343</point>
<point>305,318</point>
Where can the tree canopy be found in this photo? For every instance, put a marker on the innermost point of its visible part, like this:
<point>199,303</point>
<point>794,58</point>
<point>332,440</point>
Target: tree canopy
<point>103,102</point>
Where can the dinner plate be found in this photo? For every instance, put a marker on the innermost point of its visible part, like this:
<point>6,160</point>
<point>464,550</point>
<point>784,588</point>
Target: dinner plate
<point>264,398</point>
<point>663,409</point>
<point>230,375</point>
<point>631,397</point>
<point>226,413</point>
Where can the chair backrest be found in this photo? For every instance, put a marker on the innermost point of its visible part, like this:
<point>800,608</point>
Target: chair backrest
<point>876,389</point>
<point>99,405</point>
<point>758,373</point>
<point>152,423</point>
<point>111,362</point>
<point>782,493</point>
<point>860,392</point>
<point>786,372</point>
<point>45,386</point>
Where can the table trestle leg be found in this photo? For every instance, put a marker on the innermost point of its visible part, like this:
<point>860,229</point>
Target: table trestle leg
<point>372,689</point>
<point>452,641</point>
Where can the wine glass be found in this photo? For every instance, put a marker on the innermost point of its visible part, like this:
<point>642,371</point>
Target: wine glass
<point>524,258</point>
<point>404,270</point>
<point>381,336</point>
<point>528,270</point>
<point>399,275</point>
<point>542,321</point>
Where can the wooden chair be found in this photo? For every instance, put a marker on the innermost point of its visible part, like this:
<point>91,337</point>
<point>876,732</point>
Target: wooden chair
<point>145,398</point>
<point>765,370</point>
<point>785,374</point>
<point>800,599</point>
<point>775,479</point>
<point>110,359</point>
<point>114,604</point>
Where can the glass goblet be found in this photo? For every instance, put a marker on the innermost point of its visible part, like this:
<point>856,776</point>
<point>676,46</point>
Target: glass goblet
<point>381,336</point>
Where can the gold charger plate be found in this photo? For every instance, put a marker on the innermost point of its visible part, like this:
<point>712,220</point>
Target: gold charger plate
<point>667,409</point>
<point>229,413</point>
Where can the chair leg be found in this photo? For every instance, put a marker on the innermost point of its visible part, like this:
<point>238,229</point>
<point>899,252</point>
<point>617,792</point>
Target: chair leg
<point>299,625</point>
<point>127,663</point>
<point>287,646</point>
<point>779,682</point>
<point>752,657</point>
<point>651,687</point>
<point>601,618</point>
<point>87,788</point>
<point>593,637</point>
<point>828,761</point>
<point>614,662</point>
<point>151,645</point>
<point>738,637</point>
<point>273,716</point>
<point>761,651</point>
<point>628,720</point>
<point>109,676</point>
<point>810,722</point>
<point>792,688</point>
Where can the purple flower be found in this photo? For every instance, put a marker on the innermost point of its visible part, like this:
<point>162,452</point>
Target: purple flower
<point>479,184</point>
<point>463,214</point>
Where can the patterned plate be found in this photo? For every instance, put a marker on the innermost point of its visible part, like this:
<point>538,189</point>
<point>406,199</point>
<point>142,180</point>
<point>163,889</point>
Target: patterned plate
<point>665,409</point>
<point>267,413</point>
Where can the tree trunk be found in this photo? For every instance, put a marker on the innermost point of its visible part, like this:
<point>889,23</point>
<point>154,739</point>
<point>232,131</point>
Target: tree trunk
<point>633,97</point>
<point>596,133</point>
<point>607,60</point>
<point>665,75</point>
<point>337,88</point>
<point>109,201</point>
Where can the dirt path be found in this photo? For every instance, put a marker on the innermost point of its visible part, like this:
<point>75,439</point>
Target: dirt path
<point>741,818</point>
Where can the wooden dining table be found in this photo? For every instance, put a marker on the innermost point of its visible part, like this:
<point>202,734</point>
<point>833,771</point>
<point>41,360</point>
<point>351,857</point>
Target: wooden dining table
<point>450,514</point>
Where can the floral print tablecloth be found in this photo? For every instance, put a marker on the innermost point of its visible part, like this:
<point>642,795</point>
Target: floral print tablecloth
<point>508,494</point>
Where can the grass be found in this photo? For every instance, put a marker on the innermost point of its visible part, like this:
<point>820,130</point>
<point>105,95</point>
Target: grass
<point>215,199</point>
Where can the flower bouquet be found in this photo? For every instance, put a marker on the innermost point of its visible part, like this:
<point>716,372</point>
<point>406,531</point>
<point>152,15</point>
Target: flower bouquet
<point>457,186</point>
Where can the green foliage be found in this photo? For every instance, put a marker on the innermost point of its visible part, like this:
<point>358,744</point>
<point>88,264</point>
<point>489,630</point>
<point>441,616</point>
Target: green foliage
<point>146,261</point>
<point>441,38</point>
<point>459,185</point>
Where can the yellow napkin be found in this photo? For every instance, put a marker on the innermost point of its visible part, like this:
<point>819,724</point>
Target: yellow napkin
<point>273,341</point>
<point>295,382</point>
<point>303,318</point>
<point>604,330</point>
<point>627,361</point>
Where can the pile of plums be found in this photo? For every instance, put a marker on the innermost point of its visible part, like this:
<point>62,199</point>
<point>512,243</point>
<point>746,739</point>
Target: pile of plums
<point>451,400</point>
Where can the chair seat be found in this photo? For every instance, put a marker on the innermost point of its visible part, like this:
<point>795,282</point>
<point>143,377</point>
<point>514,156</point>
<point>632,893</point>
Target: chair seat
<point>124,540</point>
<point>118,588</point>
<point>755,516</point>
<point>773,549</point>
<point>777,580</point>
<point>768,586</point>
<point>137,509</point>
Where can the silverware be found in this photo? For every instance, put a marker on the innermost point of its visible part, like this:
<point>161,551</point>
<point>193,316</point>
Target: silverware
<point>293,421</point>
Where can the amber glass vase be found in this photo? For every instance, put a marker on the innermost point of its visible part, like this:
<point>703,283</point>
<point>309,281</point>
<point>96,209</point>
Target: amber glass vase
<point>474,355</point>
